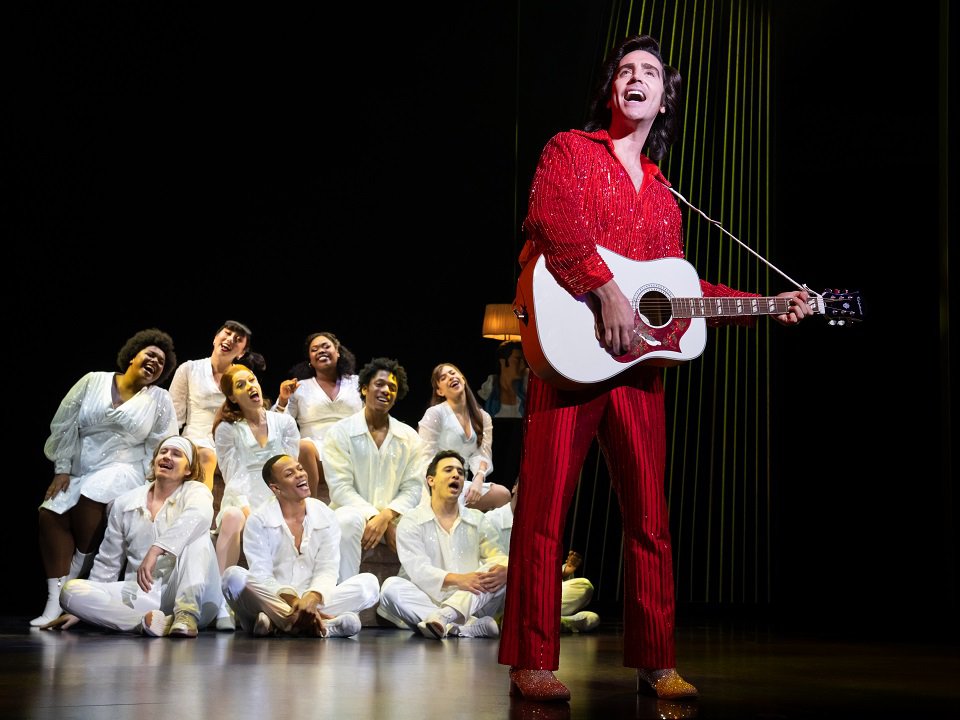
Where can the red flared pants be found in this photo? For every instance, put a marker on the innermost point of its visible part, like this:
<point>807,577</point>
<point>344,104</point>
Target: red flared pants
<point>629,423</point>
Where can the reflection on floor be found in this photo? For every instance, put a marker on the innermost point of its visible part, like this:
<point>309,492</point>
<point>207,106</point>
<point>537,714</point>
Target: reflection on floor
<point>741,671</point>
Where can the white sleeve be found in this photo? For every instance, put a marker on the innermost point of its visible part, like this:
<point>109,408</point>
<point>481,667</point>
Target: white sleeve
<point>259,555</point>
<point>64,441</point>
<point>412,480</point>
<point>192,523</point>
<point>491,548</point>
<point>228,458</point>
<point>290,438</point>
<point>485,452</point>
<point>339,474</point>
<point>416,563</point>
<point>180,394</point>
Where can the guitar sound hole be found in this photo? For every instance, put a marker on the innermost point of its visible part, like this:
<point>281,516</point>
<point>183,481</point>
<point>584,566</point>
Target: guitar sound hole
<point>654,308</point>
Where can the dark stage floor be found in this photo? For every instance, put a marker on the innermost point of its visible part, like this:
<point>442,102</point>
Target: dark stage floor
<point>742,671</point>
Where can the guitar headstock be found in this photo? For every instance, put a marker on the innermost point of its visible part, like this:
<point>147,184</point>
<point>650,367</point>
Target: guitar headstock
<point>842,306</point>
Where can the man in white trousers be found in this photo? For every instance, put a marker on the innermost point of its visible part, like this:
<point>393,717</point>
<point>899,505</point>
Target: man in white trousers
<point>453,573</point>
<point>161,533</point>
<point>292,547</point>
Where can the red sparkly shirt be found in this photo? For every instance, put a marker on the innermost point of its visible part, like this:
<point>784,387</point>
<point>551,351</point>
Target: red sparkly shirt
<point>582,196</point>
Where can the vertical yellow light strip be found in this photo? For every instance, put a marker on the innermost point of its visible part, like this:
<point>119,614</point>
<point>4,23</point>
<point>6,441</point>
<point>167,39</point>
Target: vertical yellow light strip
<point>704,76</point>
<point>721,359</point>
<point>671,374</point>
<point>750,468</point>
<point>679,438</point>
<point>768,27</point>
<point>732,366</point>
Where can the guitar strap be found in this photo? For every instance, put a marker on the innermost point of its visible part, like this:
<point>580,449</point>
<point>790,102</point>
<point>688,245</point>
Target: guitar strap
<point>716,223</point>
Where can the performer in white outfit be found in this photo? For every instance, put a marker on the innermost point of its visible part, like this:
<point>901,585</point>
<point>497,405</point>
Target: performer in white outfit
<point>455,421</point>
<point>324,389</point>
<point>575,592</point>
<point>453,573</point>
<point>292,546</point>
<point>196,393</point>
<point>160,533</point>
<point>101,440</point>
<point>373,464</point>
<point>246,435</point>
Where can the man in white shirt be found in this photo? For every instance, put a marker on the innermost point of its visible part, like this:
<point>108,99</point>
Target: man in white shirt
<point>158,540</point>
<point>372,463</point>
<point>292,546</point>
<point>453,572</point>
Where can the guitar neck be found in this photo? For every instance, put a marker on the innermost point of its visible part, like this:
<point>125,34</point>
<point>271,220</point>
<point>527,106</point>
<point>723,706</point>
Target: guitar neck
<point>704,307</point>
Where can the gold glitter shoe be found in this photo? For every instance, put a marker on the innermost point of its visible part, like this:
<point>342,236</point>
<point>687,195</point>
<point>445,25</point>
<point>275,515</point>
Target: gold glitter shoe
<point>664,684</point>
<point>538,685</point>
<point>184,626</point>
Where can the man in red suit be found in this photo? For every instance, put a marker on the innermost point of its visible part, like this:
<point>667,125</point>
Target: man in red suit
<point>601,187</point>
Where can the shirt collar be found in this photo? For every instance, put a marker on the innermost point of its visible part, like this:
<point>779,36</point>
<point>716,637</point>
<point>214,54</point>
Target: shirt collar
<point>650,168</point>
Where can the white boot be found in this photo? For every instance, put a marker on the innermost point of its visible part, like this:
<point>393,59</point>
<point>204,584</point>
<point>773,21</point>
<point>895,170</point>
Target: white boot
<point>52,611</point>
<point>80,565</point>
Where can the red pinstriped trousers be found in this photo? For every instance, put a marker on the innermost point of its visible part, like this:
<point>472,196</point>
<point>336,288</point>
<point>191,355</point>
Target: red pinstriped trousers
<point>629,423</point>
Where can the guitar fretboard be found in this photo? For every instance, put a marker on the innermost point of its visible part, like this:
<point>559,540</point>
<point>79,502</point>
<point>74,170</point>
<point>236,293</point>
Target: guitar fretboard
<point>732,306</point>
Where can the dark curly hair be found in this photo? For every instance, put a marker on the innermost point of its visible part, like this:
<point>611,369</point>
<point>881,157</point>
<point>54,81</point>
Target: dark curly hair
<point>146,338</point>
<point>346,363</point>
<point>666,128</point>
<point>391,366</point>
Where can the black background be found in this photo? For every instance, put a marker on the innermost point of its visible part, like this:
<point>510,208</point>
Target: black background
<point>365,172</point>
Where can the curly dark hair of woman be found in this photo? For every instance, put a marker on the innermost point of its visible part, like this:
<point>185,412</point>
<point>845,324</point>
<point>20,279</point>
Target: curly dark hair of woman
<point>146,338</point>
<point>391,366</point>
<point>666,128</point>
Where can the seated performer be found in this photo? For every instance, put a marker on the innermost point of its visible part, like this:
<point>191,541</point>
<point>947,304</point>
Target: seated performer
<point>575,592</point>
<point>161,533</point>
<point>373,465</point>
<point>195,390</point>
<point>101,441</point>
<point>453,571</point>
<point>322,391</point>
<point>246,435</point>
<point>292,546</point>
<point>455,421</point>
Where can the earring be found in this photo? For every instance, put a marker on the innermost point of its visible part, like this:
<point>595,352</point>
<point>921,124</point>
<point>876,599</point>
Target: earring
<point>663,108</point>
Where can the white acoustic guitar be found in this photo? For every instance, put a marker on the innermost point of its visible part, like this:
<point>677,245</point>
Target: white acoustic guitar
<point>558,330</point>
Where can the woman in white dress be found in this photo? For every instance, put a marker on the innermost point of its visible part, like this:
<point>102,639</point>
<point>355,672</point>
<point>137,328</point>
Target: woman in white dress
<point>246,436</point>
<point>455,421</point>
<point>196,393</point>
<point>101,442</point>
<point>324,390</point>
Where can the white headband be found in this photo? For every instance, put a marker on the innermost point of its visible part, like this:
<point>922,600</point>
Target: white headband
<point>179,442</point>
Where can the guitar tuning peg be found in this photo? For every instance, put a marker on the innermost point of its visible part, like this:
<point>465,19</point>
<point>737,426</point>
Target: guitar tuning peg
<point>831,322</point>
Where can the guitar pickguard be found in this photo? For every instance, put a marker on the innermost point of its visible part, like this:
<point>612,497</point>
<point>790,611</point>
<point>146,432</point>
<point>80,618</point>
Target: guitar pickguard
<point>650,339</point>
